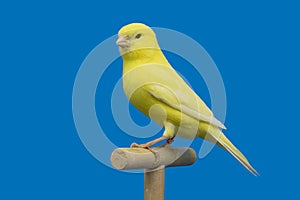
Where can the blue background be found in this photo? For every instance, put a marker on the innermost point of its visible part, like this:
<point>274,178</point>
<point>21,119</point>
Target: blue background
<point>254,44</point>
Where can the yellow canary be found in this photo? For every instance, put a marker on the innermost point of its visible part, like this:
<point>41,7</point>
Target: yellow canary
<point>153,87</point>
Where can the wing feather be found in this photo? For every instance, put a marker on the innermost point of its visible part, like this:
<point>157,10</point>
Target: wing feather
<point>178,101</point>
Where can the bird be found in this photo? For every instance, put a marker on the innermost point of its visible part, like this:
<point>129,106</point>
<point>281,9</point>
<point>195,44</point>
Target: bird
<point>154,87</point>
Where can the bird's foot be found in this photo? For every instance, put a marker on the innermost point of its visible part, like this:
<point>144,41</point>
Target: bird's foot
<point>149,144</point>
<point>144,146</point>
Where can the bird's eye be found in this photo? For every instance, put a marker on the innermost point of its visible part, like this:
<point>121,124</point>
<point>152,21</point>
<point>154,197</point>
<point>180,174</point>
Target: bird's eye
<point>138,36</point>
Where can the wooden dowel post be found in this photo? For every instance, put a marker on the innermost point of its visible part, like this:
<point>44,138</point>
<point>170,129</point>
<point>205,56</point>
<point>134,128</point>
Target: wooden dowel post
<point>154,165</point>
<point>154,183</point>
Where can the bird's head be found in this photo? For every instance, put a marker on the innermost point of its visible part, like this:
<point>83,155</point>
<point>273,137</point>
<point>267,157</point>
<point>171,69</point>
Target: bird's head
<point>136,41</point>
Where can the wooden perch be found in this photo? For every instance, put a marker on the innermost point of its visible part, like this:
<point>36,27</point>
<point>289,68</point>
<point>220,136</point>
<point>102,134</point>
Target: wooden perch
<point>154,165</point>
<point>139,158</point>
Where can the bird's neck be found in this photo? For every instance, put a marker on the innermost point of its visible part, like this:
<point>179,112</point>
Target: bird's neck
<point>143,58</point>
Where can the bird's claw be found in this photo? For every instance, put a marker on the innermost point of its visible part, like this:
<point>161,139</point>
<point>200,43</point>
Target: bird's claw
<point>144,146</point>
<point>134,145</point>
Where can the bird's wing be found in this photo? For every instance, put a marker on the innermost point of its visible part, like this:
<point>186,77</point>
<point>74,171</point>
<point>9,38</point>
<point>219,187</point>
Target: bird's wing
<point>179,101</point>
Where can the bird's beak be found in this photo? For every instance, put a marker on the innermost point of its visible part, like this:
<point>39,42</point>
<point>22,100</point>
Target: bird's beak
<point>123,41</point>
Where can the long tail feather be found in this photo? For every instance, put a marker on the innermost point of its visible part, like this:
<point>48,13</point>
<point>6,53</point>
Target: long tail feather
<point>228,146</point>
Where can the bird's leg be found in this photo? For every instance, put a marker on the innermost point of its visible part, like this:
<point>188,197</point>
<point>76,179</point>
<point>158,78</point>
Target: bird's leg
<point>169,141</point>
<point>168,134</point>
<point>149,144</point>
